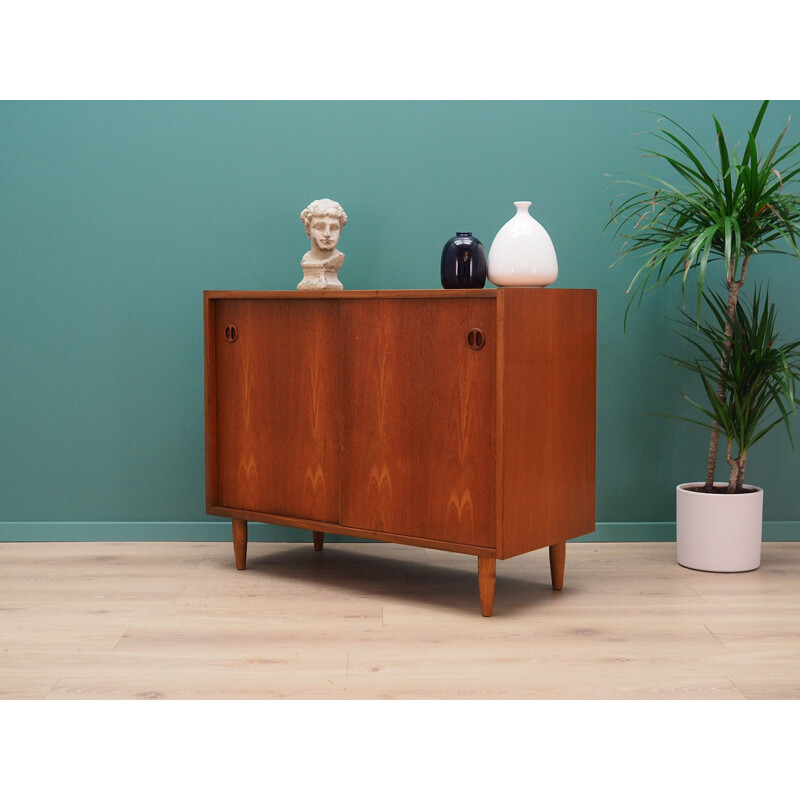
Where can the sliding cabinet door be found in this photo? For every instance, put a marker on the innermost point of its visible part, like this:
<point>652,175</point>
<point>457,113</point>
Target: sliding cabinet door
<point>276,403</point>
<point>418,413</point>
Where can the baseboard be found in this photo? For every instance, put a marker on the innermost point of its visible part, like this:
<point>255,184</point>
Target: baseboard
<point>220,531</point>
<point>783,531</point>
<point>217,531</point>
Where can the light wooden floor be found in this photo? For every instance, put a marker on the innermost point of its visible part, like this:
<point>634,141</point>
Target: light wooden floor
<point>379,621</point>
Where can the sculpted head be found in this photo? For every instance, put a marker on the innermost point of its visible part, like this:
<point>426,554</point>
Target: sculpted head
<point>323,220</point>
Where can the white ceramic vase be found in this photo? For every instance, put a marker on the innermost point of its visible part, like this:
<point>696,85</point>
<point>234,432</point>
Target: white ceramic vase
<point>522,253</point>
<point>719,532</point>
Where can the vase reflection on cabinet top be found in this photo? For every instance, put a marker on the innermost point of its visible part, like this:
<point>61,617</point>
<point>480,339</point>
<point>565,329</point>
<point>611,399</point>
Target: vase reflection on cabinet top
<point>522,253</point>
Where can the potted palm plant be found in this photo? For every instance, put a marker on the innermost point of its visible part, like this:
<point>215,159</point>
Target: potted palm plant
<point>723,208</point>
<point>719,529</point>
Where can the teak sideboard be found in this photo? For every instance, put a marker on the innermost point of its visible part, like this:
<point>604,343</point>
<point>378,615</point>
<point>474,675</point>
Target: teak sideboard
<point>462,420</point>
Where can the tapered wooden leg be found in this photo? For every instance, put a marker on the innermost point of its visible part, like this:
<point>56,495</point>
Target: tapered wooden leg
<point>319,540</point>
<point>487,572</point>
<point>558,555</point>
<point>240,542</point>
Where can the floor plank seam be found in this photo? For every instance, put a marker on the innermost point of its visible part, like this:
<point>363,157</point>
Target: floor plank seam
<point>699,596</point>
<point>715,636</point>
<point>733,683</point>
<point>178,596</point>
<point>119,641</point>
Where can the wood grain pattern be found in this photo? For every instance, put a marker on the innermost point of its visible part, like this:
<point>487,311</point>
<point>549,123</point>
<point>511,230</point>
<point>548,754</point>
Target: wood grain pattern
<point>358,294</point>
<point>210,391</point>
<point>558,555</point>
<point>173,620</point>
<point>417,407</point>
<point>548,389</point>
<point>384,415</point>
<point>240,542</point>
<point>276,405</point>
<point>487,574</point>
<point>361,533</point>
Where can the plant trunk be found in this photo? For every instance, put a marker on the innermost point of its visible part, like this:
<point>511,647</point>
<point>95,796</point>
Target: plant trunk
<point>734,287</point>
<point>713,449</point>
<point>740,477</point>
<point>737,466</point>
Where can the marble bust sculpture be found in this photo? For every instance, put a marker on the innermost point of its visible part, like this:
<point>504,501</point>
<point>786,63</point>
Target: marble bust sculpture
<point>323,220</point>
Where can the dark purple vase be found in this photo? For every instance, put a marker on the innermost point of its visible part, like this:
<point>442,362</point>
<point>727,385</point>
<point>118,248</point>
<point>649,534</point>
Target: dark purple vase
<point>463,263</point>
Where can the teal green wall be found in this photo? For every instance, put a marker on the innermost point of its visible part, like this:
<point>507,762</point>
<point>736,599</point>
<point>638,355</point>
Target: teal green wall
<point>114,216</point>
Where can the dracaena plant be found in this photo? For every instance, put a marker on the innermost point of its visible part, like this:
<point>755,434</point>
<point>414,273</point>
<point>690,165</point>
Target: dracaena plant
<point>758,373</point>
<point>721,207</point>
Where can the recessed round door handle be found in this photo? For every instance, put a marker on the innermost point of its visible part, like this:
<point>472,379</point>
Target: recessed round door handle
<point>231,334</point>
<point>476,339</point>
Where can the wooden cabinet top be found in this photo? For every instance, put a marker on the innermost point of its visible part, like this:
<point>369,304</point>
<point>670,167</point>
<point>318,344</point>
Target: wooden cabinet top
<point>415,294</point>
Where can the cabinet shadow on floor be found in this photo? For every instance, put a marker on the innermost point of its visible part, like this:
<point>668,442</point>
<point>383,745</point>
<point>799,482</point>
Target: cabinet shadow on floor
<point>393,572</point>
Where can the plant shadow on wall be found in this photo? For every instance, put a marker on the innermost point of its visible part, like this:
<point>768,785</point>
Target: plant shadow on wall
<point>726,207</point>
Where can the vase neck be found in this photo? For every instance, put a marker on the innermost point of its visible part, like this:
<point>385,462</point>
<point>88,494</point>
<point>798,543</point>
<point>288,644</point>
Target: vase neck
<point>522,207</point>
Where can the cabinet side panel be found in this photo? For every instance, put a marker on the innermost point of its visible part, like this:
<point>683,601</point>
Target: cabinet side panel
<point>549,400</point>
<point>210,407</point>
<point>277,447</point>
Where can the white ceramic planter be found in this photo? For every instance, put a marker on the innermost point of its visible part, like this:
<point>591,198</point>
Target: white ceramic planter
<point>522,253</point>
<point>719,532</point>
